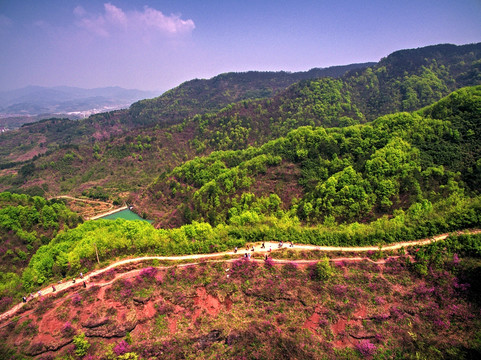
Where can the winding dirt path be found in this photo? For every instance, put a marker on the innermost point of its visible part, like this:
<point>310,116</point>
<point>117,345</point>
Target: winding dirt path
<point>97,216</point>
<point>270,247</point>
<point>78,199</point>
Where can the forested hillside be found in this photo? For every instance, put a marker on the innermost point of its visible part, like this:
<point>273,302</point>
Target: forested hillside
<point>110,154</point>
<point>204,96</point>
<point>98,156</point>
<point>189,98</point>
<point>404,81</point>
<point>399,162</point>
<point>26,223</point>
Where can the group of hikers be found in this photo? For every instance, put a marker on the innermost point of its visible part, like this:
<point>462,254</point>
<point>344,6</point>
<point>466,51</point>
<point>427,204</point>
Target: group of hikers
<point>246,256</point>
<point>263,246</point>
<point>39,293</point>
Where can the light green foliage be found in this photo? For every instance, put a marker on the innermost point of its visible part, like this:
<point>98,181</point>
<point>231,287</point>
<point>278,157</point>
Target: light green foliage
<point>345,195</point>
<point>128,356</point>
<point>323,270</point>
<point>423,89</point>
<point>81,345</point>
<point>25,224</point>
<point>349,174</point>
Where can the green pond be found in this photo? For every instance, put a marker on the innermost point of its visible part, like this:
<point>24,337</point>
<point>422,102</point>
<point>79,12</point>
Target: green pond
<point>125,214</point>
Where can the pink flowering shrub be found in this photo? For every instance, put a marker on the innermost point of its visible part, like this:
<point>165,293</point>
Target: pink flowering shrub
<point>397,313</point>
<point>423,290</point>
<point>110,274</point>
<point>291,266</point>
<point>76,299</point>
<point>269,262</point>
<point>5,302</point>
<point>455,259</point>
<point>67,329</point>
<point>148,273</point>
<point>339,290</point>
<point>366,348</point>
<point>379,300</point>
<point>121,348</point>
<point>89,357</point>
<point>381,317</point>
<point>126,291</point>
<point>442,324</point>
<point>243,268</point>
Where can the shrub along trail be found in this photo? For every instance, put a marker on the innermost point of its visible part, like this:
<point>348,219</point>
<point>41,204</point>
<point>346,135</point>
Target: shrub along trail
<point>273,246</point>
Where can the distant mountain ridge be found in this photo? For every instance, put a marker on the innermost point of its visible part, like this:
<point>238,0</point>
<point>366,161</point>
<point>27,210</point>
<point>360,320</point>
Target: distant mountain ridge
<point>200,96</point>
<point>41,102</point>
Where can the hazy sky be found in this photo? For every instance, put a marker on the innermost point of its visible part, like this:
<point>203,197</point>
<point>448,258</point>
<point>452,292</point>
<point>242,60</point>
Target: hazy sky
<point>156,45</point>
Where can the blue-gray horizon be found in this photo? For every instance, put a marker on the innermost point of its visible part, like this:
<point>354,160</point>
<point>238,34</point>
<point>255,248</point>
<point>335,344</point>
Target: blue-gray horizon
<point>152,45</point>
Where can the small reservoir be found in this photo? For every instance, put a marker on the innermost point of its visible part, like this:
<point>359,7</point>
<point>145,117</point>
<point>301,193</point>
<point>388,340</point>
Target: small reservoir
<point>124,214</point>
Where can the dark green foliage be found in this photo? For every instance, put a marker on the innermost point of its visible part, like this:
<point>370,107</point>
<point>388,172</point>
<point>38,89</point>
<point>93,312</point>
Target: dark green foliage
<point>96,193</point>
<point>404,81</point>
<point>27,170</point>
<point>203,96</point>
<point>459,147</point>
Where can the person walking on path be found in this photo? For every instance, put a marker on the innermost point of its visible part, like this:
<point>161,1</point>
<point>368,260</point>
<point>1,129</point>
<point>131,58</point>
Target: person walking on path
<point>24,299</point>
<point>84,284</point>
<point>53,289</point>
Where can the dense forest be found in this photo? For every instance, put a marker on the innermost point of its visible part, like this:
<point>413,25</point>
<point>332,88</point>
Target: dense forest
<point>354,173</point>
<point>189,98</point>
<point>26,223</point>
<point>124,150</point>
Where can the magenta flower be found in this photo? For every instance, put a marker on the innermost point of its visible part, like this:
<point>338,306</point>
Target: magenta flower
<point>121,348</point>
<point>366,348</point>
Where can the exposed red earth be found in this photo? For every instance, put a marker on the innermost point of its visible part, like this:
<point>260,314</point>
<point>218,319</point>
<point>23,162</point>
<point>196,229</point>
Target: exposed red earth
<point>262,251</point>
<point>106,310</point>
